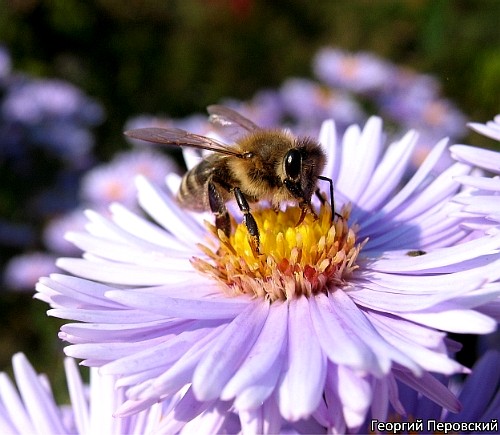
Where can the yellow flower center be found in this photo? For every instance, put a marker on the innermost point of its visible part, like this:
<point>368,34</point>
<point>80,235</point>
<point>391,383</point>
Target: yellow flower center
<point>293,260</point>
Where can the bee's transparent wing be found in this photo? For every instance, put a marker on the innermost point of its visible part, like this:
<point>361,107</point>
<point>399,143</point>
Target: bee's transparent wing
<point>182,138</point>
<point>230,120</point>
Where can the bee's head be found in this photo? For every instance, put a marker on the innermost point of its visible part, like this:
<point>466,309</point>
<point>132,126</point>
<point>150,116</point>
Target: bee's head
<point>302,165</point>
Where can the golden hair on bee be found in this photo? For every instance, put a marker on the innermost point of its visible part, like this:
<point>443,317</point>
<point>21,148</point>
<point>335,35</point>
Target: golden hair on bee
<point>272,165</point>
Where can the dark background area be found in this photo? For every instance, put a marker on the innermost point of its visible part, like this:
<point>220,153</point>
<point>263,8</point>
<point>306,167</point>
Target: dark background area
<point>177,57</point>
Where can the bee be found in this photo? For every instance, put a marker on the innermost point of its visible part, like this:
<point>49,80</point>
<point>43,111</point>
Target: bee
<point>261,164</point>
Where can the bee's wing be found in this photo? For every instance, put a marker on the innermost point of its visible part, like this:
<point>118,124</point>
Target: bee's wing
<point>225,117</point>
<point>182,138</point>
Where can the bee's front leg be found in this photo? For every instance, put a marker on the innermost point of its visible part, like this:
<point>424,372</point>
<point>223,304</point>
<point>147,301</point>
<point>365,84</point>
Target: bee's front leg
<point>218,208</point>
<point>323,200</point>
<point>249,220</point>
<point>305,208</point>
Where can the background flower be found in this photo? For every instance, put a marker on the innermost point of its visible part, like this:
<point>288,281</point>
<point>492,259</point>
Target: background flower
<point>31,408</point>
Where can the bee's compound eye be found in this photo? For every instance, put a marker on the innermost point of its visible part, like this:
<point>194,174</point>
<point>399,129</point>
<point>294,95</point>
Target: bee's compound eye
<point>293,164</point>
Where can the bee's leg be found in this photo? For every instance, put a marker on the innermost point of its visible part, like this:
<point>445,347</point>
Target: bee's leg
<point>249,220</point>
<point>218,208</point>
<point>320,196</point>
<point>332,198</point>
<point>304,209</point>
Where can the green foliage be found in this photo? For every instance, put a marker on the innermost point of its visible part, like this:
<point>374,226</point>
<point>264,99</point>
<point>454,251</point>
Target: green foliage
<point>176,57</point>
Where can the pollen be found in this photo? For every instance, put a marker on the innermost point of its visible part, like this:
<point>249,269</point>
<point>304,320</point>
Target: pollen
<point>318,255</point>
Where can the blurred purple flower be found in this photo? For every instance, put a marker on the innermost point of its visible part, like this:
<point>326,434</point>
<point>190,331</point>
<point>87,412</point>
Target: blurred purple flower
<point>113,181</point>
<point>31,408</point>
<point>314,332</point>
<point>23,271</point>
<point>265,108</point>
<point>54,233</point>
<point>50,113</point>
<point>413,101</point>
<point>410,100</point>
<point>310,104</point>
<point>37,101</point>
<point>357,72</point>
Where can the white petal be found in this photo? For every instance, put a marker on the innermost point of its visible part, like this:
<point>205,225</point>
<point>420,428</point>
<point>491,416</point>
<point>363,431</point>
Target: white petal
<point>431,388</point>
<point>486,159</point>
<point>410,187</point>
<point>163,209</point>
<point>369,146</point>
<point>187,409</point>
<point>302,384</point>
<point>355,393</point>
<point>350,314</point>
<point>77,394</point>
<point>439,190</point>
<point>179,374</point>
<point>349,158</point>
<point>39,402</point>
<point>425,354</point>
<point>228,351</point>
<point>263,420</point>
<point>14,407</point>
<point>262,358</point>
<point>492,184</point>
<point>123,253</point>
<point>104,316</point>
<point>144,230</point>
<point>125,274</point>
<point>396,303</point>
<point>430,284</point>
<point>209,422</point>
<point>76,292</point>
<point>389,172</point>
<point>458,321</point>
<point>328,140</point>
<point>482,204</point>
<point>439,257</point>
<point>335,337</point>
<point>186,308</point>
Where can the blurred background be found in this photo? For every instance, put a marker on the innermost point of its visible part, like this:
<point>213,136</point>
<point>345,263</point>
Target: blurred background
<point>74,74</point>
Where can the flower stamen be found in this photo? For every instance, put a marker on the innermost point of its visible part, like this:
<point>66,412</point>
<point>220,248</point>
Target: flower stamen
<point>315,256</point>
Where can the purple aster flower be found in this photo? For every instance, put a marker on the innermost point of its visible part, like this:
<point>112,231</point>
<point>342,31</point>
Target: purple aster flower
<point>482,202</point>
<point>479,395</point>
<point>23,271</point>
<point>413,100</point>
<point>480,207</point>
<point>36,101</point>
<point>32,409</point>
<point>50,113</point>
<point>54,232</point>
<point>358,72</point>
<point>310,104</point>
<point>114,181</point>
<point>265,108</point>
<point>311,333</point>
